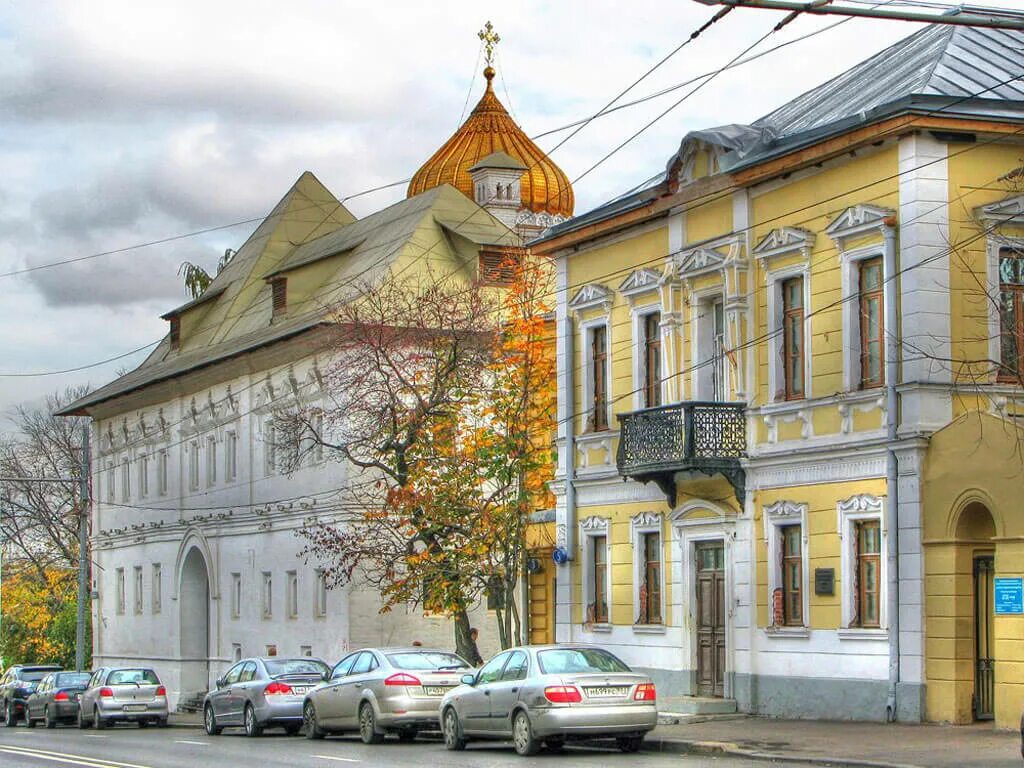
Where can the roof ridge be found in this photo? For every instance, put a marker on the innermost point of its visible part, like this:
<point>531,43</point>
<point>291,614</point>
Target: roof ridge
<point>950,33</point>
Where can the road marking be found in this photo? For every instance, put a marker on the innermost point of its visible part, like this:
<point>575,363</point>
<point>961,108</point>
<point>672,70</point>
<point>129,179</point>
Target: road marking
<point>63,757</point>
<point>199,743</point>
<point>94,736</point>
<point>339,759</point>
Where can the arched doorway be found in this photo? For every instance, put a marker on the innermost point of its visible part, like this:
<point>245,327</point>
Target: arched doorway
<point>194,623</point>
<point>975,530</point>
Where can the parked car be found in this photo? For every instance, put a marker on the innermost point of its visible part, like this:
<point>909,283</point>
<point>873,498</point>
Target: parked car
<point>383,690</point>
<point>261,692</point>
<point>123,694</point>
<point>548,695</point>
<point>55,699</point>
<point>16,686</point>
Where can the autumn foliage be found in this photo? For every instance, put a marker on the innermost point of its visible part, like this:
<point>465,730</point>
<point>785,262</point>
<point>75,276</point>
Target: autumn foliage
<point>39,617</point>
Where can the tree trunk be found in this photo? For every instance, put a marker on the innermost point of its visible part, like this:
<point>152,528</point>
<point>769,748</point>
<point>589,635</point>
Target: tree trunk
<point>464,645</point>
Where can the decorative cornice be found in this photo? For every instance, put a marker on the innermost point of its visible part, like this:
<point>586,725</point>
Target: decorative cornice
<point>697,261</point>
<point>594,523</point>
<point>1007,211</point>
<point>640,281</point>
<point>784,510</point>
<point>861,503</point>
<point>857,220</point>
<point>784,240</point>
<point>646,520</point>
<point>590,296</point>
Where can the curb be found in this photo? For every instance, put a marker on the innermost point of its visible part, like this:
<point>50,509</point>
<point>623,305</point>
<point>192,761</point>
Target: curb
<point>720,748</point>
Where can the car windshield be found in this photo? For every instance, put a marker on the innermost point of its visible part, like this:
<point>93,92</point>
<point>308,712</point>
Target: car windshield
<point>72,679</point>
<point>562,661</point>
<point>133,676</point>
<point>282,667</point>
<point>427,660</point>
<point>34,675</point>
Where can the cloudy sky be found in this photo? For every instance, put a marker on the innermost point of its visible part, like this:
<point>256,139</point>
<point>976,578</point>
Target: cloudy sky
<point>123,123</point>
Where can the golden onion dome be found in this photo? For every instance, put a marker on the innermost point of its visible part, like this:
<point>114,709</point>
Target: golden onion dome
<point>489,129</point>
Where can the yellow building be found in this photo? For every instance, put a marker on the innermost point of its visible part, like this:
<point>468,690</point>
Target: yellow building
<point>789,468</point>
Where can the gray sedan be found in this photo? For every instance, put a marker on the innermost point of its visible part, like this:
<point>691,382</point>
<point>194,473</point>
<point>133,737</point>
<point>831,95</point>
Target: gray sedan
<point>261,692</point>
<point>55,700</point>
<point>383,690</point>
<point>123,694</point>
<point>548,695</point>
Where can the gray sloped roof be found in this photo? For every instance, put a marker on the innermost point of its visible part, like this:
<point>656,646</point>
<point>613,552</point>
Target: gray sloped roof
<point>938,60</point>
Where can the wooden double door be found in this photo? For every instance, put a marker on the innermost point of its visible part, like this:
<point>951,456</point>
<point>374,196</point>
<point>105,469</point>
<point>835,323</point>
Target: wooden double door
<point>711,613</point>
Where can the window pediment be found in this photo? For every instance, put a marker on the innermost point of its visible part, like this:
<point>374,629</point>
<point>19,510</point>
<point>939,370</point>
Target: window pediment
<point>1008,211</point>
<point>784,240</point>
<point>858,220</point>
<point>594,523</point>
<point>697,261</point>
<point>639,281</point>
<point>591,296</point>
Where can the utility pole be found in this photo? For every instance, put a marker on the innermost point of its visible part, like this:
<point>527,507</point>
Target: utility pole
<point>83,551</point>
<point>967,15</point>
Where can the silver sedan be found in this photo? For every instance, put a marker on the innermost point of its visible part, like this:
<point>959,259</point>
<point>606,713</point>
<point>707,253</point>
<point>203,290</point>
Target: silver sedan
<point>262,692</point>
<point>548,695</point>
<point>383,690</point>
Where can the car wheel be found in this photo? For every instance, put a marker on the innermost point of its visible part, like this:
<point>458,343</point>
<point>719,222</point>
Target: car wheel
<point>10,716</point>
<point>368,725</point>
<point>408,735</point>
<point>252,726</point>
<point>48,721</point>
<point>28,720</point>
<point>555,745</point>
<point>629,743</point>
<point>97,721</point>
<point>522,735</point>
<point>454,741</point>
<point>82,723</point>
<point>313,729</point>
<point>210,722</point>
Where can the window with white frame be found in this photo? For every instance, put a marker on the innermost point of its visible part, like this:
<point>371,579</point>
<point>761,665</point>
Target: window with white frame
<point>161,472</point>
<point>126,480</point>
<point>157,597</point>
<point>110,480</point>
<point>119,587</point>
<point>598,374</point>
<point>1011,315</point>
<point>649,570</point>
<point>320,594</point>
<point>144,475</point>
<point>647,361</point>
<point>193,465</point>
<point>863,543</point>
<point>292,594</point>
<point>267,601</point>
<point>137,593</point>
<point>236,651</point>
<point>306,650</point>
<point>236,595</point>
<point>230,456</point>
<point>786,534</point>
<point>709,351</point>
<point>789,359</point>
<point>596,569</point>
<point>211,461</point>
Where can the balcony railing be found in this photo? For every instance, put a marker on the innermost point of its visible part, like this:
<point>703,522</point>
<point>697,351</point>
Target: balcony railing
<point>709,437</point>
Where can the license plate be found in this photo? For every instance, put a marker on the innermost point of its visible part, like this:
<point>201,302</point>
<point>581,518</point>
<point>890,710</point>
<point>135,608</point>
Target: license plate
<point>609,690</point>
<point>135,707</point>
<point>300,689</point>
<point>436,690</point>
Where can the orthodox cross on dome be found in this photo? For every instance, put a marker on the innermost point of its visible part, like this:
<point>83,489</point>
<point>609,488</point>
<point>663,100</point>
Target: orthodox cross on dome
<point>490,39</point>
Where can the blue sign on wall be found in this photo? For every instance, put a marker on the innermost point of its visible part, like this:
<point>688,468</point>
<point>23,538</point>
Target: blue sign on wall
<point>1009,595</point>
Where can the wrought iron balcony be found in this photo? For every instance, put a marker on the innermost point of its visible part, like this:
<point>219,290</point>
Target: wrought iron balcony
<point>707,437</point>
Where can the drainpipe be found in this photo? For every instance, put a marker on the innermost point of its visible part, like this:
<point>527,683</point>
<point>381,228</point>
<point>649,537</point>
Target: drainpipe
<point>892,367</point>
<point>570,441</point>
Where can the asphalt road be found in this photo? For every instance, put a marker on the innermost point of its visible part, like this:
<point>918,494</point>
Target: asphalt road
<point>130,747</point>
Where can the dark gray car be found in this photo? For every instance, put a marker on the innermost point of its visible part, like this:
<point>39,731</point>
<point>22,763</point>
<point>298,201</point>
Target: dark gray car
<point>55,699</point>
<point>262,692</point>
<point>16,686</point>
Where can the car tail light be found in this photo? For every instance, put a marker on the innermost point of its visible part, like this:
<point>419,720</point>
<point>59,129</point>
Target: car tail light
<point>61,696</point>
<point>645,692</point>
<point>106,693</point>
<point>161,691</point>
<point>402,678</point>
<point>277,689</point>
<point>563,694</point>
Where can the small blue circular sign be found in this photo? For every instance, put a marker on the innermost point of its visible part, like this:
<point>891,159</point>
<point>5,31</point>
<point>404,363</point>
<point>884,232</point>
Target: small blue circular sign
<point>560,556</point>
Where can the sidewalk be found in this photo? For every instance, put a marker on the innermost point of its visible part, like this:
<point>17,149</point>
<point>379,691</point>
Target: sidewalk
<point>844,743</point>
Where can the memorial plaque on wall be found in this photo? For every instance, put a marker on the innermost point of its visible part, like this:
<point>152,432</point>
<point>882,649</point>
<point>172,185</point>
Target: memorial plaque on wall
<point>824,581</point>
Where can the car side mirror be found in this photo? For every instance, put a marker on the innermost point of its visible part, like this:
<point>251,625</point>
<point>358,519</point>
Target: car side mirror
<point>325,676</point>
<point>221,682</point>
<point>468,679</point>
